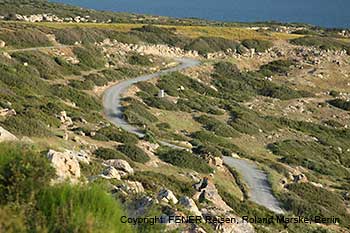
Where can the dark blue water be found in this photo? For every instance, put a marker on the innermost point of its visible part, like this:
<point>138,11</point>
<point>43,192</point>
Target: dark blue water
<point>326,13</point>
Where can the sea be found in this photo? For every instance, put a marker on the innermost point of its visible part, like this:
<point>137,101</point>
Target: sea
<point>324,13</point>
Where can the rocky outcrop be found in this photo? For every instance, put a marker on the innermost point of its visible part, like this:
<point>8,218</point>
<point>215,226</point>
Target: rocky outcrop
<point>6,135</point>
<point>121,165</point>
<point>167,196</point>
<point>66,166</point>
<point>190,205</point>
<point>81,156</point>
<point>134,187</point>
<point>5,112</point>
<point>115,47</point>
<point>65,119</point>
<point>111,173</point>
<point>215,207</point>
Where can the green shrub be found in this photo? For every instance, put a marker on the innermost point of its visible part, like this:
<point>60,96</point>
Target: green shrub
<point>25,125</point>
<point>25,38</point>
<point>312,155</point>
<point>163,126</point>
<point>116,134</point>
<point>204,150</point>
<point>106,153</point>
<point>82,85</point>
<point>151,89</point>
<point>258,45</point>
<point>137,59</point>
<point>216,126</point>
<point>134,153</point>
<point>23,171</point>
<point>155,181</point>
<point>322,42</point>
<point>161,103</point>
<point>339,103</point>
<point>46,66</point>
<point>309,201</point>
<point>89,57</point>
<point>98,80</point>
<point>137,113</point>
<point>80,209</point>
<point>157,35</point>
<point>276,67</point>
<point>250,122</point>
<point>206,45</point>
<point>184,159</point>
<point>81,99</point>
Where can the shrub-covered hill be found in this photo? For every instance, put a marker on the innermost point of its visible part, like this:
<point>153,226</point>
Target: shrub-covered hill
<point>265,100</point>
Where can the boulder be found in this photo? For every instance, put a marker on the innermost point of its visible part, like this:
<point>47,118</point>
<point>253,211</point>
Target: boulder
<point>81,156</point>
<point>2,44</point>
<point>167,196</point>
<point>110,173</point>
<point>134,187</point>
<point>120,164</point>
<point>6,135</point>
<point>66,166</point>
<point>190,205</point>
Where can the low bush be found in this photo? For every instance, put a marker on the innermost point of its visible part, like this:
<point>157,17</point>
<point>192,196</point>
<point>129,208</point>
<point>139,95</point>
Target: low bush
<point>206,45</point>
<point>258,45</point>
<point>340,103</point>
<point>107,153</point>
<point>137,59</point>
<point>184,159</point>
<point>81,99</point>
<point>216,126</point>
<point>134,153</point>
<point>89,57</point>
<point>115,134</point>
<point>155,181</point>
<point>25,38</point>
<point>322,42</point>
<point>276,67</point>
<point>80,209</point>
<point>312,155</point>
<point>309,201</point>
<point>25,125</point>
<point>137,113</point>
<point>82,85</point>
<point>23,171</point>
<point>98,80</point>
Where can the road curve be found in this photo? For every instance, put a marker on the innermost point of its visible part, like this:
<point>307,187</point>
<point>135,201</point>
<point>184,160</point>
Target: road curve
<point>112,96</point>
<point>260,191</point>
<point>259,188</point>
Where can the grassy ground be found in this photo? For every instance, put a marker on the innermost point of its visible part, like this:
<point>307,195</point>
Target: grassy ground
<point>234,33</point>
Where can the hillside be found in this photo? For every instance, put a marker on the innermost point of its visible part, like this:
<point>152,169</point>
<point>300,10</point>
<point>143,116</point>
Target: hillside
<point>270,98</point>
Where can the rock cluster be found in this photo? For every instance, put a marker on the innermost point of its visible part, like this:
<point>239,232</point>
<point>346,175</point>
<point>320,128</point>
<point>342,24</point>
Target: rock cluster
<point>66,166</point>
<point>114,47</point>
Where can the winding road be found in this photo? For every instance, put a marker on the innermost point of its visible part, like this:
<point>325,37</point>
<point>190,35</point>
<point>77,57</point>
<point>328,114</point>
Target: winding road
<point>259,188</point>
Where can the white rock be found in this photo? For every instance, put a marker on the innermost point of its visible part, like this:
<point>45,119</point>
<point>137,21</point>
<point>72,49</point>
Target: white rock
<point>134,186</point>
<point>120,164</point>
<point>110,173</point>
<point>167,196</point>
<point>2,44</point>
<point>6,135</point>
<point>189,204</point>
<point>81,156</point>
<point>66,165</point>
